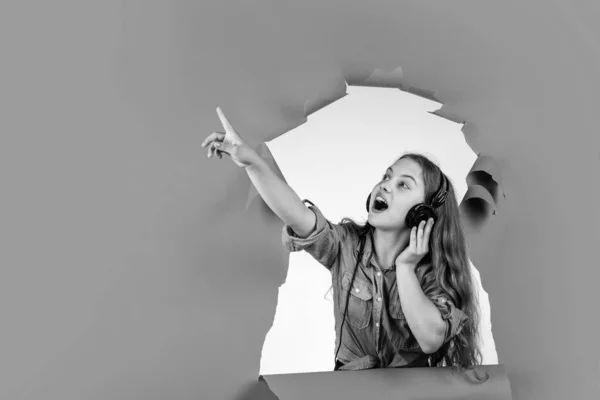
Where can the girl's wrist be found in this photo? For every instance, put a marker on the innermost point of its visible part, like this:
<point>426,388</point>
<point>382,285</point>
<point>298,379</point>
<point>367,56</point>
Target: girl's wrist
<point>405,267</point>
<point>255,162</point>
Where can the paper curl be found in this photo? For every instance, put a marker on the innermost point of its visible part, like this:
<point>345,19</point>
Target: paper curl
<point>258,390</point>
<point>485,173</point>
<point>379,78</point>
<point>396,383</point>
<point>483,192</point>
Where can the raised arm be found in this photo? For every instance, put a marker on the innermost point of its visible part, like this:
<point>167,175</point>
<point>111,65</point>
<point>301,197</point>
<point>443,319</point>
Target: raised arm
<point>278,195</point>
<point>281,198</point>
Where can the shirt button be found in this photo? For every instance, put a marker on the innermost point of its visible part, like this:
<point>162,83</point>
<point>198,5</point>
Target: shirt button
<point>379,274</point>
<point>377,324</point>
<point>357,290</point>
<point>379,299</point>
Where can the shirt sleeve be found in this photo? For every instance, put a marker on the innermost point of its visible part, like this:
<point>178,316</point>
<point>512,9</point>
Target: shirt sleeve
<point>323,244</point>
<point>454,317</point>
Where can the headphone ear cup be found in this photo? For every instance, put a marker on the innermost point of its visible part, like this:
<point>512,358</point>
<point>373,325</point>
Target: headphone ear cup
<point>368,202</point>
<point>420,212</point>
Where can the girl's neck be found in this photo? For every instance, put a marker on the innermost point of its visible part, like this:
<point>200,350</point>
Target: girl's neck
<point>388,245</point>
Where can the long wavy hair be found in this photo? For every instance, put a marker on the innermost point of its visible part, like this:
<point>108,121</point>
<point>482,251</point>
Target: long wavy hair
<point>445,270</point>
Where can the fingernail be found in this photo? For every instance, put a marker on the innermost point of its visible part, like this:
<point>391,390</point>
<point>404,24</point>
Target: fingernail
<point>217,144</point>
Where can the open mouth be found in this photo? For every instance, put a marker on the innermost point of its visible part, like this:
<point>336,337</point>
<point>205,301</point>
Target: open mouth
<point>380,204</point>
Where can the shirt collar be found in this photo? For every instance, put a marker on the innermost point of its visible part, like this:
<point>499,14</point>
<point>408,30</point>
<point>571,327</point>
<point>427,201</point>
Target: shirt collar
<point>369,254</point>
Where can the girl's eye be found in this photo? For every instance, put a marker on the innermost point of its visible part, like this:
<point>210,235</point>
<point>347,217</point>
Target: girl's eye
<point>404,185</point>
<point>384,177</point>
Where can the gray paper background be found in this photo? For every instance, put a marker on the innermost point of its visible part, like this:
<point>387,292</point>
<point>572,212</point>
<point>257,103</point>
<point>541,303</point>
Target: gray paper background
<point>130,265</point>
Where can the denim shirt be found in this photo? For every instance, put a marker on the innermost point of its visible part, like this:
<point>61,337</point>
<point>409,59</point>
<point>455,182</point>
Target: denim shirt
<point>376,333</point>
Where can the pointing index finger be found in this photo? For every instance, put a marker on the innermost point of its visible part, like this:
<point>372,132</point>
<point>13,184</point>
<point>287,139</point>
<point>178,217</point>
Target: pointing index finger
<point>224,120</point>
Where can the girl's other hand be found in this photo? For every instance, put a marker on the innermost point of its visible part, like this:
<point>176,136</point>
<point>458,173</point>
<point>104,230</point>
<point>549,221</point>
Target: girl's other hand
<point>230,143</point>
<point>418,246</point>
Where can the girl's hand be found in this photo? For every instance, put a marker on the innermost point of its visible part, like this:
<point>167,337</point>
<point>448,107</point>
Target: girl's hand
<point>229,143</point>
<point>418,246</point>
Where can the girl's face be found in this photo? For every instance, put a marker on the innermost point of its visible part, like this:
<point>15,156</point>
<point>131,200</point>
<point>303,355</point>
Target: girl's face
<point>401,187</point>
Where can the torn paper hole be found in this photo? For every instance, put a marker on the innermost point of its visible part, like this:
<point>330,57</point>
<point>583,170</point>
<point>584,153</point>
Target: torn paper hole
<point>334,159</point>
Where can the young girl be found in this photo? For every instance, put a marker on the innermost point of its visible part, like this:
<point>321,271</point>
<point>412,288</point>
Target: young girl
<point>404,295</point>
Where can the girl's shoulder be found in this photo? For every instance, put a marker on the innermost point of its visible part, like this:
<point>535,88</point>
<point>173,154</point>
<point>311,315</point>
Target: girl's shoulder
<point>353,228</point>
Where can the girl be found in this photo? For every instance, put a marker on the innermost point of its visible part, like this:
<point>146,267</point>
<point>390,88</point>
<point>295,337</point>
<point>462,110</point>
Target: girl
<point>404,296</point>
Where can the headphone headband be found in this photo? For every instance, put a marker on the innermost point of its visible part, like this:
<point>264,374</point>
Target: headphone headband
<point>439,197</point>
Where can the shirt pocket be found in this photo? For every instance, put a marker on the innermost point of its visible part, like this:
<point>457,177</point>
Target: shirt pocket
<point>401,336</point>
<point>360,301</point>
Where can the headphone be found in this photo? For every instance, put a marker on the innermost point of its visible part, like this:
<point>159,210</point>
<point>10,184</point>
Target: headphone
<point>424,211</point>
<point>418,213</point>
